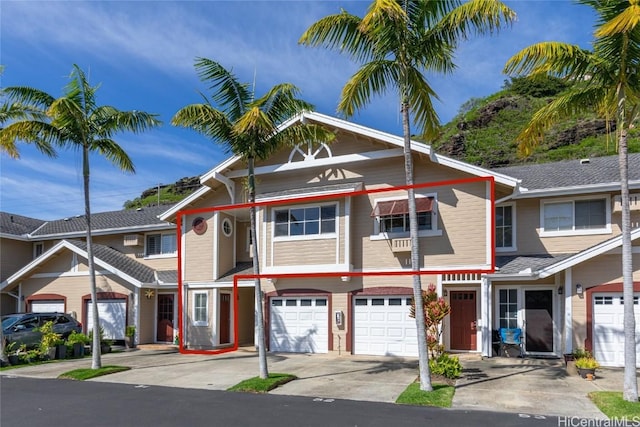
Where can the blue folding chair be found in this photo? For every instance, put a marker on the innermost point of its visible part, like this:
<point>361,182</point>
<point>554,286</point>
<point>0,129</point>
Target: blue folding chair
<point>511,337</point>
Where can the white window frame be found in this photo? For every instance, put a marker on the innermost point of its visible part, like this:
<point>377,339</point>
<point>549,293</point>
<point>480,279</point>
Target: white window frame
<point>378,235</point>
<point>513,246</point>
<point>321,236</point>
<point>160,255</point>
<point>576,232</point>
<point>194,321</point>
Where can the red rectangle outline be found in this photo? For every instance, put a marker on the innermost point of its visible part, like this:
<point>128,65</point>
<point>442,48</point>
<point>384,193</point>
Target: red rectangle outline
<point>236,278</point>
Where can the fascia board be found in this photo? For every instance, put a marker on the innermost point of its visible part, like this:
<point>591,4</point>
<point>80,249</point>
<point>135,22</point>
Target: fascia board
<point>34,263</point>
<point>586,255</point>
<point>578,189</point>
<point>106,231</point>
<point>167,215</point>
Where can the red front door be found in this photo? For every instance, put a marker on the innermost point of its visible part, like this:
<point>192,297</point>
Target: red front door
<point>165,318</point>
<point>463,320</point>
<point>225,314</point>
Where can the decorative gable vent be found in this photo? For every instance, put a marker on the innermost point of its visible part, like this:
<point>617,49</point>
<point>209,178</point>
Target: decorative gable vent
<point>634,202</point>
<point>133,240</point>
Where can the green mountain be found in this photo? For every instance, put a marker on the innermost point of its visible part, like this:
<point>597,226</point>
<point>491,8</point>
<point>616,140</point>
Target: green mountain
<point>484,131</point>
<point>165,194</point>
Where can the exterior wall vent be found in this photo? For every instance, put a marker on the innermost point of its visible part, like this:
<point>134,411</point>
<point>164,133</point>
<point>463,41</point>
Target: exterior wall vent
<point>133,240</point>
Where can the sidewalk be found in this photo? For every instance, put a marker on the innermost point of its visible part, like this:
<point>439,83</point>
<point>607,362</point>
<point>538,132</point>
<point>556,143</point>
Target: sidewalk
<point>527,386</point>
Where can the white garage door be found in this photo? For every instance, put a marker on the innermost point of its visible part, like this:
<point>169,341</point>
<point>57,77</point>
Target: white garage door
<point>299,325</point>
<point>608,332</point>
<point>47,306</point>
<point>382,326</point>
<point>113,317</point>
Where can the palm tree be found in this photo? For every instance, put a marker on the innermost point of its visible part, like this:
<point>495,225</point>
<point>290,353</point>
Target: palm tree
<point>398,41</point>
<point>74,121</point>
<point>606,81</point>
<point>249,128</point>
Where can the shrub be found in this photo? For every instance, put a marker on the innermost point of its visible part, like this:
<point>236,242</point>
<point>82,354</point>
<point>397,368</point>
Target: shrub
<point>130,330</point>
<point>77,338</point>
<point>49,338</point>
<point>587,363</point>
<point>446,366</point>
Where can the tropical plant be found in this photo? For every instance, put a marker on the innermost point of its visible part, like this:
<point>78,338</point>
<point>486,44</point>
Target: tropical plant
<point>397,41</point>
<point>49,337</point>
<point>446,366</point>
<point>607,80</point>
<point>74,121</point>
<point>252,130</point>
<point>77,338</point>
<point>435,310</point>
<point>130,330</point>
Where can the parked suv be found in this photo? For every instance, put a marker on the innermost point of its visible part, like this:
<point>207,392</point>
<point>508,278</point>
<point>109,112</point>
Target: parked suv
<point>24,328</point>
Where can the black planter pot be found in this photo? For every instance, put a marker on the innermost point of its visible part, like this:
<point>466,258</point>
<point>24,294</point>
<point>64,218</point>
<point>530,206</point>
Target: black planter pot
<point>583,372</point>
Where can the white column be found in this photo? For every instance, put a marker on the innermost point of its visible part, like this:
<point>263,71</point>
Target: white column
<point>568,313</point>
<point>485,312</point>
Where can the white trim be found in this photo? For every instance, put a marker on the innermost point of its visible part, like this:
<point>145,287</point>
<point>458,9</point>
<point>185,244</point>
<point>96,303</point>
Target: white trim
<point>228,183</point>
<point>307,268</point>
<point>160,255</point>
<point>514,228</point>
<point>477,288</point>
<point>215,258</point>
<point>35,245</point>
<point>219,285</point>
<point>347,231</point>
<point>106,231</point>
<point>193,308</point>
<point>486,318</point>
<point>574,190</point>
<point>321,236</point>
<point>228,221</point>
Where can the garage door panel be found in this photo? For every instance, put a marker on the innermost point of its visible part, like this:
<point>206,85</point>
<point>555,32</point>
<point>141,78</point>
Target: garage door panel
<point>113,316</point>
<point>299,325</point>
<point>383,326</point>
<point>47,306</point>
<point>608,328</point>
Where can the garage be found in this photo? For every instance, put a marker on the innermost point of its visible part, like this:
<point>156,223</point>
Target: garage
<point>47,306</point>
<point>299,325</point>
<point>608,333</point>
<point>382,326</point>
<point>113,317</point>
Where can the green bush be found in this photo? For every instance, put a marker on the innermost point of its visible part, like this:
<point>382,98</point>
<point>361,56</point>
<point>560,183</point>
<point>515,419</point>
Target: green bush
<point>446,366</point>
<point>77,337</point>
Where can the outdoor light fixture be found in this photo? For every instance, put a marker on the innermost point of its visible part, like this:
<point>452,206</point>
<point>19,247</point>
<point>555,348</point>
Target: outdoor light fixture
<point>445,292</point>
<point>579,289</point>
<point>560,290</point>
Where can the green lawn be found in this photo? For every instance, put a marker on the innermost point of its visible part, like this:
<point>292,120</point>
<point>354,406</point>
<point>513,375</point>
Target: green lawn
<point>441,396</point>
<point>259,385</point>
<point>613,406</point>
<point>88,373</point>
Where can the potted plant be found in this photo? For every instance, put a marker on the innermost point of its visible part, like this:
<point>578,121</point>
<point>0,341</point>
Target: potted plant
<point>130,336</point>
<point>77,342</point>
<point>105,345</point>
<point>51,342</point>
<point>587,367</point>
<point>12,350</point>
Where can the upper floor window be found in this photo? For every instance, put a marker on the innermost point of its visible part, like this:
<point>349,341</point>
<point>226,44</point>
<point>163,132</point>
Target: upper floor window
<point>392,216</point>
<point>579,216</point>
<point>305,221</point>
<point>38,249</point>
<point>161,244</point>
<point>505,227</point>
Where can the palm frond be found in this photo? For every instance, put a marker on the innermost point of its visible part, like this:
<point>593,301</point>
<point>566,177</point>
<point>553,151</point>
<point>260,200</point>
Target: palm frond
<point>554,58</point>
<point>28,96</point>
<point>113,152</point>
<point>474,17</point>
<point>371,79</point>
<point>205,119</point>
<point>41,134</point>
<point>625,22</point>
<point>420,101</point>
<point>229,93</point>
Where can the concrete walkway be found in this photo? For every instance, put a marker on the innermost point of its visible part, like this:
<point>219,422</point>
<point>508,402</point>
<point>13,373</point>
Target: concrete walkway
<point>529,386</point>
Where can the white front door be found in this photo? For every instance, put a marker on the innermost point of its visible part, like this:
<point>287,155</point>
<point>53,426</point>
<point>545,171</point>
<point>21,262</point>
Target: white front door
<point>608,329</point>
<point>382,326</point>
<point>299,325</point>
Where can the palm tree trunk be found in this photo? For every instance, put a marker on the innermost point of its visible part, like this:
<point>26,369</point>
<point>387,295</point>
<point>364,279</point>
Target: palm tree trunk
<point>3,355</point>
<point>630,387</point>
<point>423,351</point>
<point>262,342</point>
<point>96,361</point>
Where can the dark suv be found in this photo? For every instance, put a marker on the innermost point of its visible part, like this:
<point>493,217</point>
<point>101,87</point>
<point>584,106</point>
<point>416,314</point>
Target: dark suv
<point>24,328</point>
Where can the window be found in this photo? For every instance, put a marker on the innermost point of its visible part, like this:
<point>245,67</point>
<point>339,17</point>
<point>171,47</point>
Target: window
<point>38,249</point>
<point>504,227</point>
<point>200,309</point>
<point>227,228</point>
<point>508,306</point>
<point>581,216</point>
<point>161,244</point>
<point>392,216</point>
<point>305,221</point>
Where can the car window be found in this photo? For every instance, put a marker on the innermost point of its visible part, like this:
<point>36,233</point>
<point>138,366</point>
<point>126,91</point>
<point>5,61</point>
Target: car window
<point>8,321</point>
<point>48,318</point>
<point>29,323</point>
<point>62,319</point>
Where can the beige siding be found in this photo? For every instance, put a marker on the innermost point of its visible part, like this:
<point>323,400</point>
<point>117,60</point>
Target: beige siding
<point>226,249</point>
<point>199,336</point>
<point>246,316</point>
<point>242,248</point>
<point>14,255</point>
<point>146,329</point>
<point>198,250</point>
<point>304,252</point>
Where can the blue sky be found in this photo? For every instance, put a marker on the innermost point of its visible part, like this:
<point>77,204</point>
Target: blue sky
<point>142,54</point>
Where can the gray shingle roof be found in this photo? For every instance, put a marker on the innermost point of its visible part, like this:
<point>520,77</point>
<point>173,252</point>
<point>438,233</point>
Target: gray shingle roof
<point>117,259</point>
<point>167,276</point>
<point>517,263</point>
<point>571,173</point>
<point>18,225</point>
<point>240,268</point>
<point>106,220</point>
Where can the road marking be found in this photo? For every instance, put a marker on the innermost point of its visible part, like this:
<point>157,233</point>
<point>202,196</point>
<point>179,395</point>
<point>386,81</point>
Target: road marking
<point>141,386</point>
